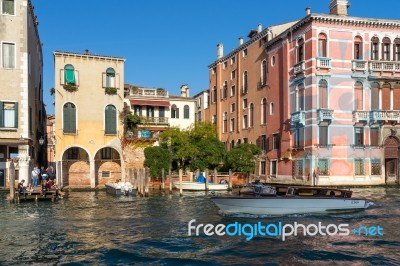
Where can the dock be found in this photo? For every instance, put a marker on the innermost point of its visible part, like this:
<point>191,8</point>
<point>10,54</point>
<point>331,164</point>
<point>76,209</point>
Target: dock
<point>36,196</point>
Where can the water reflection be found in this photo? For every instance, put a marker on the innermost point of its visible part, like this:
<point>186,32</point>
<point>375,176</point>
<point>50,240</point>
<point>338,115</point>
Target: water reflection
<point>96,228</point>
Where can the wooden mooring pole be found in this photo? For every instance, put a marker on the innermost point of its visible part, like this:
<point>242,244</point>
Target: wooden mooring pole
<point>170,181</point>
<point>146,182</point>
<point>11,170</point>
<point>163,179</point>
<point>206,184</point>
<point>230,180</point>
<point>180,183</point>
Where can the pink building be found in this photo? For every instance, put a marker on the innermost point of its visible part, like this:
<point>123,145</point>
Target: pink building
<point>320,96</point>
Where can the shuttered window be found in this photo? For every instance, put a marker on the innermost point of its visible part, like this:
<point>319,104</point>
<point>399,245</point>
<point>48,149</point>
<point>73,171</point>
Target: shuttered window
<point>386,97</point>
<point>358,96</point>
<point>323,94</point>
<point>110,78</point>
<point>186,112</point>
<point>161,111</point>
<point>8,7</point>
<point>111,120</point>
<point>69,75</point>
<point>396,98</point>
<point>8,55</point>
<point>9,114</point>
<point>323,136</point>
<point>375,96</point>
<point>69,112</point>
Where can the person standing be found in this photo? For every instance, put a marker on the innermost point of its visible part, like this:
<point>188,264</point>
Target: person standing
<point>35,175</point>
<point>43,174</point>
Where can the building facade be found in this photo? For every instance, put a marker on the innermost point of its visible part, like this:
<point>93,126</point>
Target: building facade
<point>319,96</point>
<point>89,95</point>
<point>21,93</point>
<point>202,103</point>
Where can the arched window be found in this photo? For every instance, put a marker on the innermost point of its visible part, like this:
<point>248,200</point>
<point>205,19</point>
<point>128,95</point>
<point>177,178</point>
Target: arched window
<point>214,94</point>
<point>245,80</point>
<point>251,115</point>
<point>374,48</point>
<point>186,112</point>
<point>358,48</point>
<point>263,72</point>
<point>225,90</point>
<point>386,96</point>
<point>271,108</point>
<point>322,45</point>
<point>69,118</point>
<point>300,50</point>
<point>69,75</point>
<point>323,94</point>
<point>386,49</point>
<point>396,49</point>
<point>110,120</point>
<point>264,108</point>
<point>358,96</point>
<point>174,111</point>
<point>110,77</point>
<point>375,96</point>
<point>300,98</point>
<point>225,122</point>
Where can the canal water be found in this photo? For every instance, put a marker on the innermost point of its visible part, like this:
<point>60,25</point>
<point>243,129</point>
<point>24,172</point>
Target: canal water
<point>93,228</point>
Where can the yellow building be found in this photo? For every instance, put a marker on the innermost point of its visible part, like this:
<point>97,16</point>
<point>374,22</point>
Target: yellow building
<point>89,96</point>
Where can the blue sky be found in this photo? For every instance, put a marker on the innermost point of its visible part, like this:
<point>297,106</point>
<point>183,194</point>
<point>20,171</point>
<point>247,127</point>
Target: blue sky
<point>168,43</point>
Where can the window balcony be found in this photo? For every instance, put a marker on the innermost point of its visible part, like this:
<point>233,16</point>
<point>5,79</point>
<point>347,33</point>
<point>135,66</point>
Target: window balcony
<point>385,116</point>
<point>142,92</point>
<point>323,62</point>
<point>360,65</point>
<point>154,120</point>
<point>382,66</point>
<point>299,68</point>
<point>325,115</point>
<point>361,116</point>
<point>298,118</point>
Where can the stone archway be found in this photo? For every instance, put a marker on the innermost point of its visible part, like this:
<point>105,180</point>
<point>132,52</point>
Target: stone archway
<point>75,168</point>
<point>391,146</point>
<point>107,166</point>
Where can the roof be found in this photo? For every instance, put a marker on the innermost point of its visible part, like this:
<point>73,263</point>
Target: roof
<point>62,53</point>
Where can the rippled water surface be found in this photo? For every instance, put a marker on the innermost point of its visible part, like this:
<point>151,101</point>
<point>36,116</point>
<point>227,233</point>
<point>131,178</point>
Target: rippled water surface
<point>99,229</point>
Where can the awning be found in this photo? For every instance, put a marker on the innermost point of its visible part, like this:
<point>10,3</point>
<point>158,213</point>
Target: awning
<point>150,103</point>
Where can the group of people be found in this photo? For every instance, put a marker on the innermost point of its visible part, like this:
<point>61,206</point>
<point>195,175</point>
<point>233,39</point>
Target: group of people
<point>44,176</point>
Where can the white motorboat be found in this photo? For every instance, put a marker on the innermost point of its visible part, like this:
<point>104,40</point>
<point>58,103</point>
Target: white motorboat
<point>120,188</point>
<point>200,186</point>
<point>283,200</point>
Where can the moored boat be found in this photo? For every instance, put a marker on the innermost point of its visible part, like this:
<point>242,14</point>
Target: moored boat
<point>200,186</point>
<point>120,188</point>
<point>282,200</point>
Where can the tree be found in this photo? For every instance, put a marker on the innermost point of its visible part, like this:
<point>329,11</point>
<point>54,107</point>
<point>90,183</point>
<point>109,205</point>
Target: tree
<point>243,157</point>
<point>156,158</point>
<point>210,153</point>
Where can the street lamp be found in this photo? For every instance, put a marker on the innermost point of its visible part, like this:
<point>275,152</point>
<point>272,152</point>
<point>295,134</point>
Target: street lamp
<point>41,141</point>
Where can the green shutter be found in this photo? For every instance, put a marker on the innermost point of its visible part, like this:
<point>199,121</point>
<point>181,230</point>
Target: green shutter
<point>1,114</point>
<point>110,123</point>
<point>66,119</point>
<point>73,119</point>
<point>69,118</point>
<point>69,76</point>
<point>16,115</point>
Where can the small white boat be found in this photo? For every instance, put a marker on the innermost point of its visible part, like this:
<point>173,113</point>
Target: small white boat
<point>283,200</point>
<point>200,186</point>
<point>120,188</point>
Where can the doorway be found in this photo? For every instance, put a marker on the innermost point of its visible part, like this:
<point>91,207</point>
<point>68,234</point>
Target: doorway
<point>391,145</point>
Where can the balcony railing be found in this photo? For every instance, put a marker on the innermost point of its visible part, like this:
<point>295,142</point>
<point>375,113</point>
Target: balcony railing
<point>360,116</point>
<point>153,120</point>
<point>323,62</point>
<point>149,92</point>
<point>299,68</point>
<point>385,115</point>
<point>298,117</point>
<point>360,65</point>
<point>375,65</point>
<point>142,134</point>
<point>325,115</point>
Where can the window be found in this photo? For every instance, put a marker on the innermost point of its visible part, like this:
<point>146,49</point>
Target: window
<point>225,122</point>
<point>358,136</point>
<point>233,74</point>
<point>233,60</point>
<point>273,168</point>
<point>213,70</point>
<point>106,154</point>
<point>375,96</point>
<point>110,78</point>
<point>186,112</point>
<point>359,167</point>
<point>69,118</point>
<point>386,49</point>
<point>232,125</point>
<point>376,167</point>
<point>323,166</point>
<point>244,103</point>
<point>161,111</point>
<point>13,152</point>
<point>245,122</point>
<point>322,45</point>
<point>299,137</point>
<point>110,120</point>
<point>358,48</point>
<point>264,108</point>
<point>245,87</point>
<point>105,174</point>
<point>396,51</point>
<point>225,64</point>
<point>251,115</point>
<point>263,165</point>
<point>300,51</point>
<point>297,170</point>
<point>214,94</point>
<point>244,52</point>
<point>199,116</point>
<point>245,140</point>
<point>358,96</point>
<point>8,7</point>
<point>271,108</point>
<point>233,90</point>
<point>323,94</point>
<point>263,143</point>
<point>263,72</point>
<point>273,60</point>
<point>138,110</point>
<point>8,54</point>
<point>73,154</point>
<point>374,48</point>
<point>300,98</point>
<point>225,90</point>
<point>174,111</point>
<point>150,111</point>
<point>275,141</point>
<point>323,136</point>
<point>374,136</point>
<point>9,114</point>
<point>233,107</point>
<point>69,75</point>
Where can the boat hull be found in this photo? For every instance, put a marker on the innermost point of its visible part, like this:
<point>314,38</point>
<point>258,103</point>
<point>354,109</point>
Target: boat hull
<point>288,205</point>
<point>118,190</point>
<point>197,186</point>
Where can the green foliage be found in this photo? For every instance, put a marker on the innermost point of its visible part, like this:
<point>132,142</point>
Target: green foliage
<point>156,158</point>
<point>210,153</point>
<point>70,87</point>
<point>110,90</point>
<point>243,157</point>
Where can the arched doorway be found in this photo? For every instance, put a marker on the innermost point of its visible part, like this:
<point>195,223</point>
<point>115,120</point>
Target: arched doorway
<point>391,146</point>
<point>107,166</point>
<point>75,168</point>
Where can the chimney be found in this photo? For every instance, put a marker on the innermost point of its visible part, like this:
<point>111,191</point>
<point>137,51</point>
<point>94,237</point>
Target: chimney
<point>184,91</point>
<point>259,28</point>
<point>338,7</point>
<point>220,50</point>
<point>308,11</point>
<point>240,41</point>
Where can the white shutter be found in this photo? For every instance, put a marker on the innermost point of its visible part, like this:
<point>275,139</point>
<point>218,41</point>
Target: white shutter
<point>62,77</point>
<point>104,80</point>
<point>117,81</point>
<point>76,78</point>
